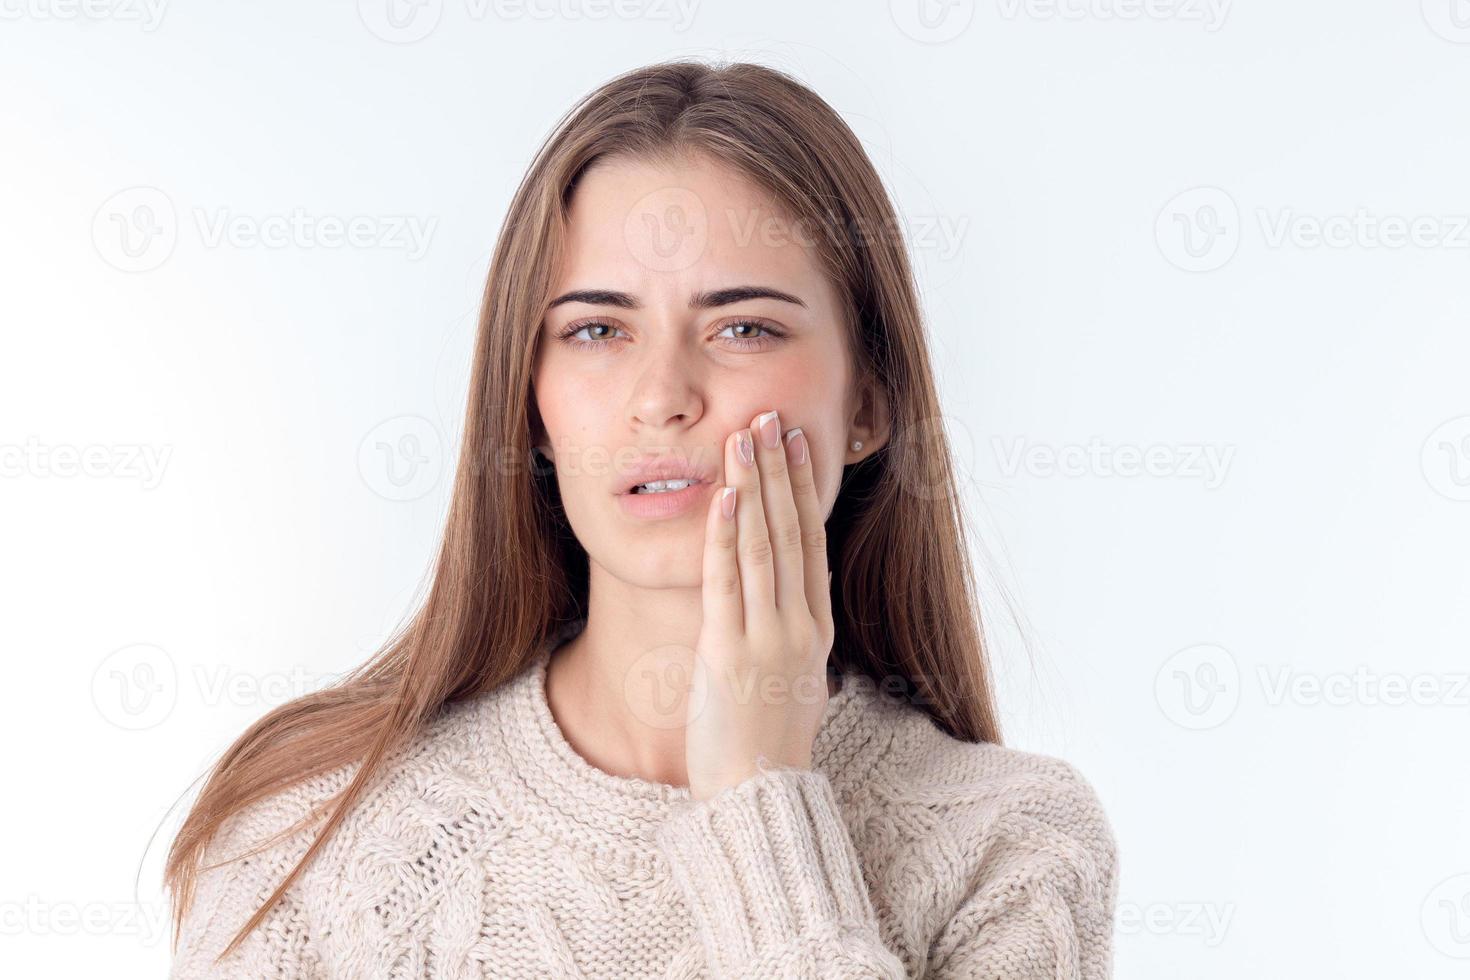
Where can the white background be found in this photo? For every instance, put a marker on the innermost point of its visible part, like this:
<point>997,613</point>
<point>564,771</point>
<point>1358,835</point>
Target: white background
<point>1228,232</point>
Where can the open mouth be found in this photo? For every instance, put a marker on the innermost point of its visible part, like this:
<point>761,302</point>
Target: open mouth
<point>662,486</point>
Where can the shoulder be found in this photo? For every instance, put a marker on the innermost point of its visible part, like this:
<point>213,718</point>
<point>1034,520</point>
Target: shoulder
<point>283,820</point>
<point>983,795</point>
<point>247,858</point>
<point>972,787</point>
<point>265,838</point>
<point>1001,782</point>
<point>981,839</point>
<point>257,846</point>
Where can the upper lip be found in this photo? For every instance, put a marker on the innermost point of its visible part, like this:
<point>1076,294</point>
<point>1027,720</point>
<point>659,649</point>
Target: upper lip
<point>676,466</point>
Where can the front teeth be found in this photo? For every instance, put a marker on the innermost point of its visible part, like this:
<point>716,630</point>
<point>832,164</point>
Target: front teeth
<point>662,486</point>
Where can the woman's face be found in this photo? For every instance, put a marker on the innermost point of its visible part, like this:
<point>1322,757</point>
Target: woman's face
<point>640,356</point>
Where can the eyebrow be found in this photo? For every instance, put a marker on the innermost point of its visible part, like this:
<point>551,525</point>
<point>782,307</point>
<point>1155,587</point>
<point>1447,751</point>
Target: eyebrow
<point>699,301</point>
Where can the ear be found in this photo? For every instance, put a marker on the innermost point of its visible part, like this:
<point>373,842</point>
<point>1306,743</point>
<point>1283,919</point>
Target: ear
<point>539,439</point>
<point>871,423</point>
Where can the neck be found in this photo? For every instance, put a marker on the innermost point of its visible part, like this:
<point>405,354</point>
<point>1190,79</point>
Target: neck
<point>618,690</point>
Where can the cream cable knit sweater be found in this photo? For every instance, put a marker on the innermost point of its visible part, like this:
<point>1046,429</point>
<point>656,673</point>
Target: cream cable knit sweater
<point>493,849</point>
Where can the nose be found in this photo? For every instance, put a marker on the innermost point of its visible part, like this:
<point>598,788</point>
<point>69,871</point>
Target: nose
<point>667,390</point>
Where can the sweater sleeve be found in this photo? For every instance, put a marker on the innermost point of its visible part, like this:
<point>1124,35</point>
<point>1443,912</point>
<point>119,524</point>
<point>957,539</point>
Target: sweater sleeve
<point>776,888</point>
<point>233,883</point>
<point>1045,866</point>
<point>774,882</point>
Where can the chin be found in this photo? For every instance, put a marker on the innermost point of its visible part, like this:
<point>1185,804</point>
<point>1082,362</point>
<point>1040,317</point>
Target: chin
<point>662,563</point>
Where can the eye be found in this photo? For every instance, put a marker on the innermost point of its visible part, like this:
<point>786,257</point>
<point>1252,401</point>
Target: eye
<point>747,341</point>
<point>599,331</point>
<point>569,333</point>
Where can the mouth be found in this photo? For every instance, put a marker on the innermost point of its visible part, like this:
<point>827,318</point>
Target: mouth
<point>670,485</point>
<point>663,486</point>
<point>663,498</point>
<point>668,474</point>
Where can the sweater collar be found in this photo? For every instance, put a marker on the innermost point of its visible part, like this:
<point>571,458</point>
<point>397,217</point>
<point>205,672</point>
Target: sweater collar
<point>567,795</point>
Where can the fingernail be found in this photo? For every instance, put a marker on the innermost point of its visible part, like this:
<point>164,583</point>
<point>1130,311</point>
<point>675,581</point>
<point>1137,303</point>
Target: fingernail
<point>745,447</point>
<point>727,503</point>
<point>796,446</point>
<point>770,426</point>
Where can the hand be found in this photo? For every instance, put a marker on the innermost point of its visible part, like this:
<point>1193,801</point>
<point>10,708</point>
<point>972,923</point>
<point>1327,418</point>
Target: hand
<point>760,673</point>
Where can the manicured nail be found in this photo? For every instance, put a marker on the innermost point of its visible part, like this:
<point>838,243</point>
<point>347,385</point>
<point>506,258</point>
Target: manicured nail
<point>796,446</point>
<point>727,503</point>
<point>745,447</point>
<point>770,427</point>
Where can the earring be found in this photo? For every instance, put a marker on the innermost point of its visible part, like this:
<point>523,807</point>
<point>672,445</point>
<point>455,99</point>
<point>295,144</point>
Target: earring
<point>856,446</point>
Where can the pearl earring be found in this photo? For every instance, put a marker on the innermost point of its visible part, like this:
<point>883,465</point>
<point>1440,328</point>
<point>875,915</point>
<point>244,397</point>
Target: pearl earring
<point>856,446</point>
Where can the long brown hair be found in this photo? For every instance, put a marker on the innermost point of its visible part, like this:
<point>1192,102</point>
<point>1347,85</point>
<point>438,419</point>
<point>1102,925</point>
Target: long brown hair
<point>510,574</point>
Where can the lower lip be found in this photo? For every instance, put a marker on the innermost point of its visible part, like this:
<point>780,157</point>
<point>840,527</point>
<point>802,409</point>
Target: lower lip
<point>667,504</point>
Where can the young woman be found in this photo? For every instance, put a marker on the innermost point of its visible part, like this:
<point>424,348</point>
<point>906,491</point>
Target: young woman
<point>699,688</point>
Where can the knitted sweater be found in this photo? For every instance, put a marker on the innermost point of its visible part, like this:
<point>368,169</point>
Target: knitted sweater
<point>491,848</point>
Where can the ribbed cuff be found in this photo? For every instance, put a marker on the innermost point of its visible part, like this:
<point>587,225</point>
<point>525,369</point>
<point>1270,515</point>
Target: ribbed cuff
<point>766,866</point>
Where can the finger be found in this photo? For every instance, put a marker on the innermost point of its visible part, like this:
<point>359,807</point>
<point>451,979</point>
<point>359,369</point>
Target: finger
<point>781,515</point>
<point>721,586</point>
<point>815,573</point>
<point>757,574</point>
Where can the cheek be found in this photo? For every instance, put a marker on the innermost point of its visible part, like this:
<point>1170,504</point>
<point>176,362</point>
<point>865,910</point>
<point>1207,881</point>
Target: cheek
<point>576,413</point>
<point>806,397</point>
<point>569,406</point>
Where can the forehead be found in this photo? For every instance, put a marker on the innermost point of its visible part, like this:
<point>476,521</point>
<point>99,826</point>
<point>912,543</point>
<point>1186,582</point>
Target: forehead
<point>657,228</point>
